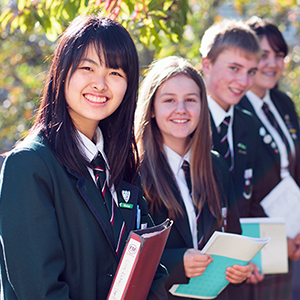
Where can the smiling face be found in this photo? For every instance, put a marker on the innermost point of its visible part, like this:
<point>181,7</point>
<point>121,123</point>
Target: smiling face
<point>230,76</point>
<point>93,92</point>
<point>177,107</point>
<point>270,69</point>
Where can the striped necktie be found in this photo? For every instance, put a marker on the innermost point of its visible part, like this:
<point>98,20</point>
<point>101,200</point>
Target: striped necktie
<point>116,219</point>
<point>187,174</point>
<point>186,168</point>
<point>225,151</point>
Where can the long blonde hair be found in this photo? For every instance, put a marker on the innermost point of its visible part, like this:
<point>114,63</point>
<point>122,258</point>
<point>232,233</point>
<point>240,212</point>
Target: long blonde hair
<point>150,142</point>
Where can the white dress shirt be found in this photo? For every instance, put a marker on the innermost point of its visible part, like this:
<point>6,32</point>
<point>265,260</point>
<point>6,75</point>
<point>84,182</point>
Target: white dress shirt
<point>90,151</point>
<point>175,161</point>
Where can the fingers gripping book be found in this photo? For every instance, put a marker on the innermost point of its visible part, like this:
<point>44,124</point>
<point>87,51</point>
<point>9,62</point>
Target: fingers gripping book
<point>227,249</point>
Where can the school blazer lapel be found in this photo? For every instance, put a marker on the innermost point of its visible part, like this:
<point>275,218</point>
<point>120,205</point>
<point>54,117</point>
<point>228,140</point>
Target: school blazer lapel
<point>215,135</point>
<point>128,196</point>
<point>208,219</point>
<point>239,144</point>
<point>91,195</point>
<point>265,135</point>
<point>286,109</point>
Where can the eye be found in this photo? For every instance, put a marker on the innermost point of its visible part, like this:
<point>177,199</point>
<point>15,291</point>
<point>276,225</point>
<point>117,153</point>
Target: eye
<point>118,72</point>
<point>264,55</point>
<point>191,100</point>
<point>233,68</point>
<point>252,72</point>
<point>168,100</point>
<point>86,68</point>
<point>280,55</point>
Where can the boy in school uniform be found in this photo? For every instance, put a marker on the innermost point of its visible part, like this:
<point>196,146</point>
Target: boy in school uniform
<point>230,54</point>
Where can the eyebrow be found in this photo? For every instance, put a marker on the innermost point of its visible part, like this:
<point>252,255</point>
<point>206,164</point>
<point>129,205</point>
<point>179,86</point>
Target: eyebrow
<point>171,94</point>
<point>236,64</point>
<point>89,60</point>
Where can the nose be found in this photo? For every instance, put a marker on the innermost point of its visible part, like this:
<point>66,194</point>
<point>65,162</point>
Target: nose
<point>243,79</point>
<point>272,61</point>
<point>99,83</point>
<point>180,106</point>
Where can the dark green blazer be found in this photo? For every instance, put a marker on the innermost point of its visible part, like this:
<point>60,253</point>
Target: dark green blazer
<point>180,238</point>
<point>269,176</point>
<point>246,146</point>
<point>56,238</point>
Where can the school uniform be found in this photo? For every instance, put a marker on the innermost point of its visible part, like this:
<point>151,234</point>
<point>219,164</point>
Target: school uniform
<point>285,107</point>
<point>244,142</point>
<point>181,236</point>
<point>56,237</point>
<point>278,286</point>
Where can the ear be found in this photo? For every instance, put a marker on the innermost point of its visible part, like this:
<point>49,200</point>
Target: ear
<point>206,66</point>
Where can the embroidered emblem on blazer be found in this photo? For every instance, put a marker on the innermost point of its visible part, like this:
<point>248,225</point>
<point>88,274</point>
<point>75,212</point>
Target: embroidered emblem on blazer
<point>126,195</point>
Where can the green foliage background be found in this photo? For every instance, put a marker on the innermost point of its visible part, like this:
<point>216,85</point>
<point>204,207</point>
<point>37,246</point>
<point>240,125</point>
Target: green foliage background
<point>29,29</point>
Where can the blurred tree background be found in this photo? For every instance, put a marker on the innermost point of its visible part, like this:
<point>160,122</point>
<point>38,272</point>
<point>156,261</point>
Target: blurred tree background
<point>29,29</point>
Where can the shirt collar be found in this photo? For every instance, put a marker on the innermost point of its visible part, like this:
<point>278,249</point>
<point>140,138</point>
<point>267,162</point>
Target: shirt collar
<point>218,113</point>
<point>257,102</point>
<point>175,160</point>
<point>88,149</point>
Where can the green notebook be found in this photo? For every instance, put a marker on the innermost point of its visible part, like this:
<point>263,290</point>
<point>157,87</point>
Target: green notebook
<point>226,249</point>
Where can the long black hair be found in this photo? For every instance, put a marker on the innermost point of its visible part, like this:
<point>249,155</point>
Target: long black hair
<point>113,41</point>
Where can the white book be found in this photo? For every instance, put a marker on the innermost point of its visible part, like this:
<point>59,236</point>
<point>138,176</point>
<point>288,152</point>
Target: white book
<point>273,258</point>
<point>284,201</point>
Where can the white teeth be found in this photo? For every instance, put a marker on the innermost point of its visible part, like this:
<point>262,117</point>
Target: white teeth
<point>236,91</point>
<point>269,74</point>
<point>96,99</point>
<point>180,121</point>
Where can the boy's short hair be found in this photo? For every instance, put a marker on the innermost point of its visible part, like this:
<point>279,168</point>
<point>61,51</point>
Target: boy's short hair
<point>227,34</point>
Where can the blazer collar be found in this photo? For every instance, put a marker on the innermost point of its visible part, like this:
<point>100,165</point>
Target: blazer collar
<point>91,195</point>
<point>182,222</point>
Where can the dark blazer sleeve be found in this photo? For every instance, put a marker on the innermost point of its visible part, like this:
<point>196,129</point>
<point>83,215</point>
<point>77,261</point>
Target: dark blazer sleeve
<point>27,215</point>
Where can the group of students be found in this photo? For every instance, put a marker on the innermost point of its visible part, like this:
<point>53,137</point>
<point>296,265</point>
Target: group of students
<point>97,144</point>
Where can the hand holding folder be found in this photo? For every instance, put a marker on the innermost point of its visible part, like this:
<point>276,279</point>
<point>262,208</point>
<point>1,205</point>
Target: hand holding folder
<point>139,262</point>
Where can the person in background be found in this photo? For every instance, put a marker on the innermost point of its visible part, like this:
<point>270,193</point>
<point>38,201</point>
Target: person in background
<point>182,178</point>
<point>281,144</point>
<point>230,53</point>
<point>63,222</point>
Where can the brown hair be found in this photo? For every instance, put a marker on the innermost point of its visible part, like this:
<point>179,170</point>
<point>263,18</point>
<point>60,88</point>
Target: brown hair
<point>271,32</point>
<point>150,142</point>
<point>229,34</point>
